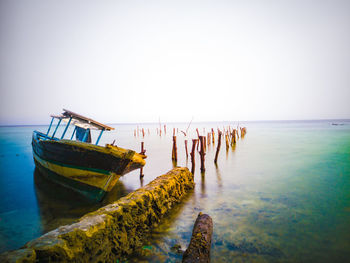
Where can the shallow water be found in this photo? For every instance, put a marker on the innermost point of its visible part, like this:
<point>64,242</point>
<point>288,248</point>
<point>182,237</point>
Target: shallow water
<point>282,194</point>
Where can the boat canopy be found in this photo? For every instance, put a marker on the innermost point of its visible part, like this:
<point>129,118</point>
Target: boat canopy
<point>81,121</point>
<point>82,124</point>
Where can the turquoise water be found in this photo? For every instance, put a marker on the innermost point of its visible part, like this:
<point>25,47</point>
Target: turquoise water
<point>282,194</point>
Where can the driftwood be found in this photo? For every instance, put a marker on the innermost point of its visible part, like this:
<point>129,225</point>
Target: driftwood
<point>199,247</point>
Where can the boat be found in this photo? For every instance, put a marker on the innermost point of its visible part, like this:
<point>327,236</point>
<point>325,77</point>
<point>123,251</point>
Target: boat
<point>89,169</point>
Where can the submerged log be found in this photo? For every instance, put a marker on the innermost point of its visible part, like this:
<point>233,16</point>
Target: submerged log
<point>199,247</point>
<point>112,232</point>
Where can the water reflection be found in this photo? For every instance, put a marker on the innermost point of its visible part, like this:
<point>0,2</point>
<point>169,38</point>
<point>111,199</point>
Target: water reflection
<point>203,184</point>
<point>60,206</point>
<point>218,176</point>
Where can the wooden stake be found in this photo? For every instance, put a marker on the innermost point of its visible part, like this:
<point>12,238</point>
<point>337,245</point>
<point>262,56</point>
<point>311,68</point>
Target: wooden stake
<point>143,151</point>
<point>198,139</point>
<point>218,147</point>
<point>194,142</point>
<point>227,141</point>
<point>174,153</point>
<point>233,137</point>
<point>186,149</point>
<point>213,135</point>
<point>202,153</point>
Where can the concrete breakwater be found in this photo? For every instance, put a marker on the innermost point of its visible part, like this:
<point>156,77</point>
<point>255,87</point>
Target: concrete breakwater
<point>112,232</point>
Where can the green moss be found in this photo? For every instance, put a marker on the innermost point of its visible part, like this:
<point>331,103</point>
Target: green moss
<point>114,231</point>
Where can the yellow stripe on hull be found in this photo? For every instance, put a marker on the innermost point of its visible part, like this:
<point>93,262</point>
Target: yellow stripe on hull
<point>96,179</point>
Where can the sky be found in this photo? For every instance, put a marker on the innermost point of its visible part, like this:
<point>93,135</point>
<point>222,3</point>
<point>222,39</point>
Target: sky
<point>141,61</point>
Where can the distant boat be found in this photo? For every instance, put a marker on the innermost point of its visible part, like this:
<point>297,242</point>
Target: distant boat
<point>86,168</point>
<point>337,124</point>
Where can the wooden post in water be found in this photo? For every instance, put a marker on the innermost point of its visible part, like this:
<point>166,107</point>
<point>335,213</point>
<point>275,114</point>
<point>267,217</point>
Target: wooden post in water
<point>164,129</point>
<point>213,135</point>
<point>198,139</point>
<point>243,131</point>
<point>199,248</point>
<point>202,153</point>
<point>233,135</point>
<point>174,153</point>
<point>194,142</point>
<point>218,147</point>
<point>186,149</point>
<point>227,140</point>
<point>208,138</point>
<point>143,151</point>
<point>143,133</point>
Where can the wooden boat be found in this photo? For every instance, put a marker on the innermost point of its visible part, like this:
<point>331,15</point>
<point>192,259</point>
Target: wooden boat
<point>86,168</point>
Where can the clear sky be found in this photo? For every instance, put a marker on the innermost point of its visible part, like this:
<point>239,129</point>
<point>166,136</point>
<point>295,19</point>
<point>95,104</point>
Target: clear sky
<point>138,61</point>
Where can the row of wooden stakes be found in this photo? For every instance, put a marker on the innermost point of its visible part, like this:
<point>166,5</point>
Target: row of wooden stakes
<point>142,131</point>
<point>231,137</point>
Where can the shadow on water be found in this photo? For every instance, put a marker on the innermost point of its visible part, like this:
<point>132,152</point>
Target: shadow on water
<point>60,206</point>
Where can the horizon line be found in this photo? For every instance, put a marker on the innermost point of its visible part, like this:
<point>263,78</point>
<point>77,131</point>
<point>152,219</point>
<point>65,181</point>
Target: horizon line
<point>178,122</point>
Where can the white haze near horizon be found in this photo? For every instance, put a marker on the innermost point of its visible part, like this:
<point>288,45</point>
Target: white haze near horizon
<point>141,61</point>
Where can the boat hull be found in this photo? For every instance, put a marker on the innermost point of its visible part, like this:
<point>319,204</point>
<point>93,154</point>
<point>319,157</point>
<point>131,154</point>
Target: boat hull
<point>90,170</point>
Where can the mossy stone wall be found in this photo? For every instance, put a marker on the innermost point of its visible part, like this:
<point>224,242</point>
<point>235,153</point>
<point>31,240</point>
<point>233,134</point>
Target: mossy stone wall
<point>113,231</point>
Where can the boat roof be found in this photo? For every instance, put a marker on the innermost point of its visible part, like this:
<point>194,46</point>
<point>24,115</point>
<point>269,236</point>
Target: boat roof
<point>81,121</point>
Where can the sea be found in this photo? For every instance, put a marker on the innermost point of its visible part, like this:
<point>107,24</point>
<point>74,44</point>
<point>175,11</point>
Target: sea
<point>280,194</point>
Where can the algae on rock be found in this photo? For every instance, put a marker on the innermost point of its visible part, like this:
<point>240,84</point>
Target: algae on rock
<point>114,231</point>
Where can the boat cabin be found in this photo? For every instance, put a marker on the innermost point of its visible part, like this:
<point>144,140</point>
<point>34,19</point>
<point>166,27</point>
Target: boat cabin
<point>82,130</point>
